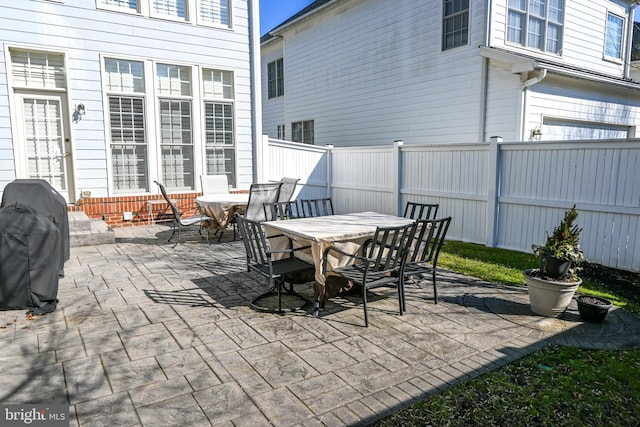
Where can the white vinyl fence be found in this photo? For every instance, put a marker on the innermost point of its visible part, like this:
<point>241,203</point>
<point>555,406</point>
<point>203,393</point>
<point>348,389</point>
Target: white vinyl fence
<point>499,194</point>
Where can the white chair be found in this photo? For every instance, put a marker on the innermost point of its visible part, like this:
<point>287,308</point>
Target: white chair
<point>214,184</point>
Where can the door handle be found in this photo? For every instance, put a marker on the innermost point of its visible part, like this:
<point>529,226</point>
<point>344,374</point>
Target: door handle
<point>67,154</point>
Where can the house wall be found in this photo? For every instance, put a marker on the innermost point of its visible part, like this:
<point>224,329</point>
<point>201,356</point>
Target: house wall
<point>85,34</point>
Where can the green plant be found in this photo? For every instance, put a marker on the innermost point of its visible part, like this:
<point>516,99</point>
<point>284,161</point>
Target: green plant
<point>563,243</point>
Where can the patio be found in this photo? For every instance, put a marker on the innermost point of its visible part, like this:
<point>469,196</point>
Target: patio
<point>149,334</point>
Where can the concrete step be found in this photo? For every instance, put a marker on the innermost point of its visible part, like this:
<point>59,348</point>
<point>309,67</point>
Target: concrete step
<point>84,231</point>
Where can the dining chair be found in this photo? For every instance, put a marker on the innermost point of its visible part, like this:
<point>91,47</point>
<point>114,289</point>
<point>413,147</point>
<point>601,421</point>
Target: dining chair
<point>214,184</point>
<point>415,210</point>
<point>426,244</point>
<point>287,189</point>
<point>179,221</point>
<point>286,269</point>
<point>282,210</point>
<point>381,265</point>
<point>317,207</point>
<point>259,194</point>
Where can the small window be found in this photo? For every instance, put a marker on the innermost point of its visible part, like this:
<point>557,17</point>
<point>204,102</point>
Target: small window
<point>275,78</point>
<point>214,12</point>
<point>281,132</point>
<point>455,25</point>
<point>124,76</point>
<point>536,23</point>
<point>613,36</point>
<point>218,84</point>
<point>302,132</point>
<point>172,9</point>
<point>120,5</point>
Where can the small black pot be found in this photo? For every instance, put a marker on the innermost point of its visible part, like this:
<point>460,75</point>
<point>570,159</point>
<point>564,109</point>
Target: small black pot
<point>593,309</point>
<point>553,267</point>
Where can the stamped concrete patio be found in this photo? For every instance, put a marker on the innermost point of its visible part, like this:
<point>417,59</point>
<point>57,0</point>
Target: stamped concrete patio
<point>148,334</point>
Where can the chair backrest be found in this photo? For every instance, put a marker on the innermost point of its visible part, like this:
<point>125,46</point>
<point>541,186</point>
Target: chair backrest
<point>317,207</point>
<point>421,210</point>
<point>428,239</point>
<point>389,247</point>
<point>259,194</point>
<point>255,242</point>
<point>214,184</point>
<point>174,209</point>
<point>282,210</point>
<point>287,189</point>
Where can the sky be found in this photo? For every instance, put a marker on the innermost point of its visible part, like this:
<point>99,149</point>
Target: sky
<point>274,12</point>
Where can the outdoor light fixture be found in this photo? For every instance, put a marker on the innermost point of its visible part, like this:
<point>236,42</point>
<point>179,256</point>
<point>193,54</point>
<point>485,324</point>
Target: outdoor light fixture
<point>81,110</point>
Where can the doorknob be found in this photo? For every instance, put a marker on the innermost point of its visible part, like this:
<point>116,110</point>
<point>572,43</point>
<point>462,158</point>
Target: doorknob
<point>67,154</point>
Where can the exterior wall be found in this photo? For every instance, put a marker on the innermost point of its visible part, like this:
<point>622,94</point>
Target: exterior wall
<point>85,34</point>
<point>371,72</point>
<point>273,113</point>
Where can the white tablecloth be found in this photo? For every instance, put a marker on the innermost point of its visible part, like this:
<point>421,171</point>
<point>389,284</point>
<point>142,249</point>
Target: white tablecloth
<point>222,207</point>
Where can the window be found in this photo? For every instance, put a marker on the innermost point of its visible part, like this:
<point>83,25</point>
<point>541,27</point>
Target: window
<point>120,5</point>
<point>455,25</point>
<point>275,78</point>
<point>613,36</point>
<point>176,138</point>
<point>536,24</point>
<point>175,9</point>
<point>219,124</point>
<point>214,12</point>
<point>38,69</point>
<point>281,132</point>
<point>125,87</point>
<point>302,132</point>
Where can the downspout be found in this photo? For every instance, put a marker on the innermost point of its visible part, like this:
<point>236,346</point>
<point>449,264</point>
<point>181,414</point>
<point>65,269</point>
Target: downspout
<point>523,107</point>
<point>627,60</point>
<point>256,89</point>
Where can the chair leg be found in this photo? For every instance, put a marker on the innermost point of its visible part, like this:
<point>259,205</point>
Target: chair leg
<point>435,289</point>
<point>364,305</point>
<point>173,232</point>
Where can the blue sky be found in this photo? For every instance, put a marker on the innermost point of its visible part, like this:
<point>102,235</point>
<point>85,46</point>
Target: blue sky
<point>273,12</point>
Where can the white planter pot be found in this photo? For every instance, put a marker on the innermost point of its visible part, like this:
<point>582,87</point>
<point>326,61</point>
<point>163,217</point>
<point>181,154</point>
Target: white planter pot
<point>549,298</point>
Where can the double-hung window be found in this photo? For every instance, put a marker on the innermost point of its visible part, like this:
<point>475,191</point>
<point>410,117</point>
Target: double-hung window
<point>220,152</point>
<point>176,134</point>
<point>536,23</point>
<point>275,78</point>
<point>455,23</point>
<point>302,132</point>
<point>172,9</point>
<point>125,86</point>
<point>214,12</point>
<point>613,37</point>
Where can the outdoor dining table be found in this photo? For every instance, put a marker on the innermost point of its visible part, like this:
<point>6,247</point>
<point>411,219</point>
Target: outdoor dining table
<point>347,231</point>
<point>222,207</point>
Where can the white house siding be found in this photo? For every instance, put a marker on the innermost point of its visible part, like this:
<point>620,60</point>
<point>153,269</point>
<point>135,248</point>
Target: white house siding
<point>583,37</point>
<point>504,102</point>
<point>371,72</point>
<point>85,35</point>
<point>273,112</point>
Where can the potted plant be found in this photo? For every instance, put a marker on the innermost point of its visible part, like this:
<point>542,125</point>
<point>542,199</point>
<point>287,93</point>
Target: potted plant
<point>593,309</point>
<point>552,286</point>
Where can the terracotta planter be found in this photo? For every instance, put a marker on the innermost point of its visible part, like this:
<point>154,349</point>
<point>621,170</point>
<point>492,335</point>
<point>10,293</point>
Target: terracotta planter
<point>593,309</point>
<point>548,297</point>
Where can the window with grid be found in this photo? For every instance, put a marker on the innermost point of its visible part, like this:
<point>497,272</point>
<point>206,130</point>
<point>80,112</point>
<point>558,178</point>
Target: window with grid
<point>536,23</point>
<point>175,9</point>
<point>281,132</point>
<point>302,132</point>
<point>124,82</point>
<point>613,36</point>
<point>275,78</point>
<point>120,5</point>
<point>214,12</point>
<point>176,134</point>
<point>220,150</point>
<point>34,69</point>
<point>455,25</point>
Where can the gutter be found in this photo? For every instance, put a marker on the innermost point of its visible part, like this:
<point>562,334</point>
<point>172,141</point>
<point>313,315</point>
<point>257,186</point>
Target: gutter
<point>524,102</point>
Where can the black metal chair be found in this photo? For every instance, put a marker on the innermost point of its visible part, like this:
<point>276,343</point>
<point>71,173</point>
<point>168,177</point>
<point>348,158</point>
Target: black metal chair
<point>421,210</point>
<point>287,189</point>
<point>259,194</point>
<point>427,242</point>
<point>278,272</point>
<point>282,210</point>
<point>179,221</point>
<point>317,207</point>
<point>382,264</point>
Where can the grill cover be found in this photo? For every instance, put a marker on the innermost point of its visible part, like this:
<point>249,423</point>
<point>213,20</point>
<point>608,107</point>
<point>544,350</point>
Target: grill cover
<point>41,196</point>
<point>28,242</point>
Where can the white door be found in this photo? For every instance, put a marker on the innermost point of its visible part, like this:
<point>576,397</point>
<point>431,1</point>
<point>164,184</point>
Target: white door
<point>46,148</point>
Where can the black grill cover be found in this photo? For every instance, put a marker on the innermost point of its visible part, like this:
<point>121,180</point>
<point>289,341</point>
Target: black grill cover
<point>41,196</point>
<point>28,243</point>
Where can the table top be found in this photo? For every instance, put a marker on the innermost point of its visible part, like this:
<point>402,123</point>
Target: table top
<point>335,228</point>
<point>229,198</point>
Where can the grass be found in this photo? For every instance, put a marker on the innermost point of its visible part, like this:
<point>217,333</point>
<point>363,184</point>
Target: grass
<point>559,386</point>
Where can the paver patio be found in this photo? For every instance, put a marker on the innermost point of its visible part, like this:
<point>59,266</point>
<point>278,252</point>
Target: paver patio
<point>148,334</point>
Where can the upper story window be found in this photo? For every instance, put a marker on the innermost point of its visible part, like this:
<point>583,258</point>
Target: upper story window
<point>175,9</point>
<point>214,12</point>
<point>120,5</point>
<point>275,78</point>
<point>455,23</point>
<point>536,24</point>
<point>302,132</point>
<point>613,36</point>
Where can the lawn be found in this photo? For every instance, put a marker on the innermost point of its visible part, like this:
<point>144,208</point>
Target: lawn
<point>559,386</point>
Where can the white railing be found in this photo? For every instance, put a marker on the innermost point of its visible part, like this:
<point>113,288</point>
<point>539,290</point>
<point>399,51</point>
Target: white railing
<point>499,194</point>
